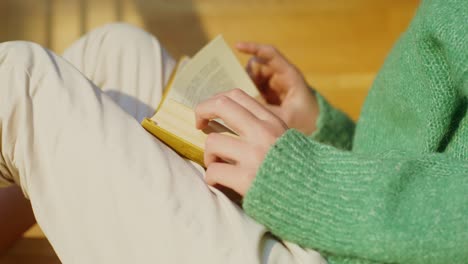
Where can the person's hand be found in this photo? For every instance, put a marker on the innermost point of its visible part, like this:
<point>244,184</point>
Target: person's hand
<point>282,86</point>
<point>233,161</point>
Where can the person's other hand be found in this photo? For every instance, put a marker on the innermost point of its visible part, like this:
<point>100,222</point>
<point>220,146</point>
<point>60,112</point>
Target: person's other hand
<point>233,161</point>
<point>282,86</point>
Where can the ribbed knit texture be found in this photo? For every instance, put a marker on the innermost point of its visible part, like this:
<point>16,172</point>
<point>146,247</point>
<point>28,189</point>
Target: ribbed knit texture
<point>334,127</point>
<point>393,189</point>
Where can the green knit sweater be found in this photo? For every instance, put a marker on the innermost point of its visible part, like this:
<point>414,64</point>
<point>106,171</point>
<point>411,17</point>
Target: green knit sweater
<point>393,188</point>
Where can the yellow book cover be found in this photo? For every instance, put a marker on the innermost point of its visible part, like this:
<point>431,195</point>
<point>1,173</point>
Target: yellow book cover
<point>212,70</point>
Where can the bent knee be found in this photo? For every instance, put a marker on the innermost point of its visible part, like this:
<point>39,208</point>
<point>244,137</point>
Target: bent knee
<point>123,35</point>
<point>22,53</point>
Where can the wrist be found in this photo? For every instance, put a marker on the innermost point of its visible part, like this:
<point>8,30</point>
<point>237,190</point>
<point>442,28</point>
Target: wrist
<point>303,113</point>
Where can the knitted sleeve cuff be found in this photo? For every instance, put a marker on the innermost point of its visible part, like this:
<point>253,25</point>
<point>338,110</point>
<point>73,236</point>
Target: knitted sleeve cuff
<point>289,186</point>
<point>334,128</point>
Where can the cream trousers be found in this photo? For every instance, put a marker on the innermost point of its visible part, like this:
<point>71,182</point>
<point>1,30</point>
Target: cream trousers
<point>102,188</point>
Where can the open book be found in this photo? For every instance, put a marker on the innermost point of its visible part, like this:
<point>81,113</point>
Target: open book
<point>213,69</point>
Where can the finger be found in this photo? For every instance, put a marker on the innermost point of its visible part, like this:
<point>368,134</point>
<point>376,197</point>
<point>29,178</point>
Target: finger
<point>247,47</point>
<point>232,113</point>
<point>267,53</point>
<point>253,69</point>
<point>227,175</point>
<point>262,76</point>
<point>223,147</point>
<point>248,102</point>
<point>260,51</point>
<point>258,71</point>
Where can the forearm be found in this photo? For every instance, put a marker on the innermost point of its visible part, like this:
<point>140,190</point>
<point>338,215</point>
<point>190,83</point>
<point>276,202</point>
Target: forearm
<point>16,216</point>
<point>385,207</point>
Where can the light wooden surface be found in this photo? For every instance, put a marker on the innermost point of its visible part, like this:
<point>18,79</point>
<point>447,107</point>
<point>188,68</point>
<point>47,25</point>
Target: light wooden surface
<point>338,44</point>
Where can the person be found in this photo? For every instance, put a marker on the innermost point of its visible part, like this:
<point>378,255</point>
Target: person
<point>316,186</point>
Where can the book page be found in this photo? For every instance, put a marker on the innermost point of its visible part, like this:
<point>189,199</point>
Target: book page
<point>213,69</point>
<point>178,120</point>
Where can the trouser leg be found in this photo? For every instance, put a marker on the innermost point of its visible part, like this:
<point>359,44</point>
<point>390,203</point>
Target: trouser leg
<point>103,190</point>
<point>127,63</point>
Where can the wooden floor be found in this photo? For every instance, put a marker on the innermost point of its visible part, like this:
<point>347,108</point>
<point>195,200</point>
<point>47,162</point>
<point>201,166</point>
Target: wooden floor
<point>338,44</point>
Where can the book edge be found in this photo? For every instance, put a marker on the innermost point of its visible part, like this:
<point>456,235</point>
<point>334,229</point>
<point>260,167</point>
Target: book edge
<point>184,148</point>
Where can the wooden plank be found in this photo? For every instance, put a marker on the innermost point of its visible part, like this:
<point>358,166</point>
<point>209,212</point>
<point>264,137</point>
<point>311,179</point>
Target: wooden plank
<point>65,23</point>
<point>102,12</point>
<point>17,18</point>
